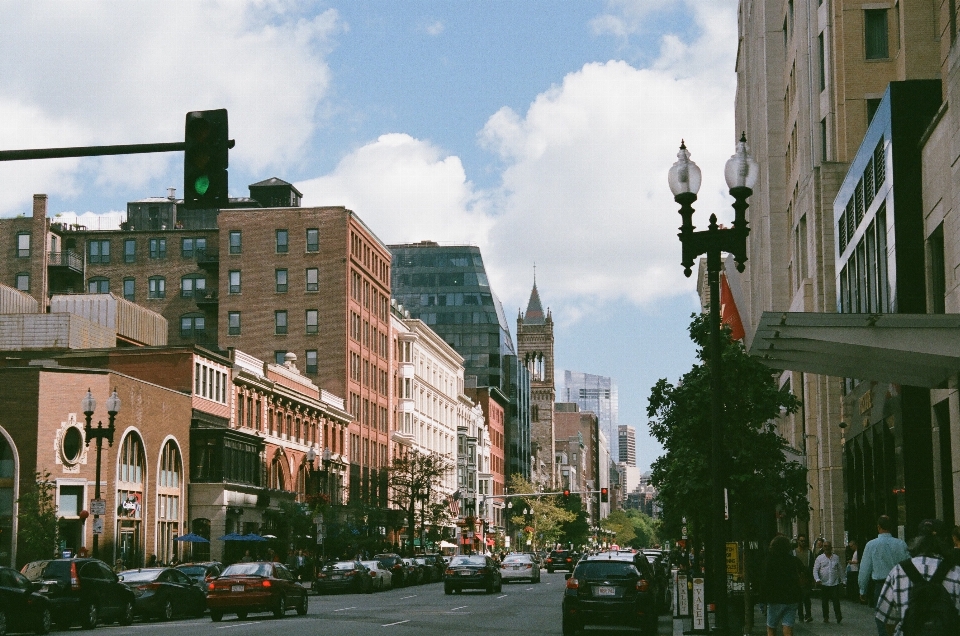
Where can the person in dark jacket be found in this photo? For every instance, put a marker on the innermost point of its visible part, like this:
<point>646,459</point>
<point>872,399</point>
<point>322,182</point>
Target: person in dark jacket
<point>780,590</point>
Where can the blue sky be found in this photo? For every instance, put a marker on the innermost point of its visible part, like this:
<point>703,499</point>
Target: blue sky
<point>539,130</point>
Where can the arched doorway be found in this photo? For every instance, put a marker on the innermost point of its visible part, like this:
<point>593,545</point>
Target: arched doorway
<point>169,502</point>
<point>131,465</point>
<point>8,495</point>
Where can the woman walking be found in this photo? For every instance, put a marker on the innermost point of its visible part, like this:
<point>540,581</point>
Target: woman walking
<point>780,590</point>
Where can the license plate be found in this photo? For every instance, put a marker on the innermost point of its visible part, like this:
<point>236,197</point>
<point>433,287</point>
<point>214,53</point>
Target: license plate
<point>336,577</point>
<point>516,567</point>
<point>236,588</point>
<point>602,590</point>
<point>465,573</point>
<point>44,589</point>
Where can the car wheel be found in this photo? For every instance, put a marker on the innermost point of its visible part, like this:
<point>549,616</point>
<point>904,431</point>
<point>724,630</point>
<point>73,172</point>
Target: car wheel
<point>280,608</point>
<point>302,607</point>
<point>166,612</point>
<point>499,587</point>
<point>569,627</point>
<point>126,616</point>
<point>549,570</point>
<point>43,622</point>
<point>489,589</point>
<point>216,616</point>
<point>242,615</point>
<point>447,590</point>
<point>88,615</point>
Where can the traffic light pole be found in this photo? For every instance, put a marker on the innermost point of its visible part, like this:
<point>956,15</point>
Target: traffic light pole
<point>94,151</point>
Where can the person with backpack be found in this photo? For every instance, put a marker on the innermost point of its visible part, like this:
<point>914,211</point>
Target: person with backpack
<point>880,555</point>
<point>921,595</point>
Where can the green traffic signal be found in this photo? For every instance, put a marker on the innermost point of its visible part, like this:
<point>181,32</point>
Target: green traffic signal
<point>205,159</point>
<point>201,185</point>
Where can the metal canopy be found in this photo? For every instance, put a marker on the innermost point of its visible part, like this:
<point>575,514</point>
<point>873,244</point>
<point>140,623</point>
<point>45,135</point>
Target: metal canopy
<point>911,349</point>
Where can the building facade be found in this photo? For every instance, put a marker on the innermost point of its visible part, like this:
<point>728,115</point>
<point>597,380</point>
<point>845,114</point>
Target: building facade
<point>535,349</point>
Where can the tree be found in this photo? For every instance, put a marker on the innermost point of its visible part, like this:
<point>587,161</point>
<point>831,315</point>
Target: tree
<point>632,528</point>
<point>37,520</point>
<point>758,476</point>
<point>415,480</point>
<point>544,524</point>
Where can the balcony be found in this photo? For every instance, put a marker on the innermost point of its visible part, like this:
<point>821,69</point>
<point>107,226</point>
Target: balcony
<point>208,259</point>
<point>207,299</point>
<point>69,260</point>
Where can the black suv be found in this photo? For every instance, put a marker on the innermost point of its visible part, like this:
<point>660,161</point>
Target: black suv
<point>81,591</point>
<point>562,560</point>
<point>611,588</point>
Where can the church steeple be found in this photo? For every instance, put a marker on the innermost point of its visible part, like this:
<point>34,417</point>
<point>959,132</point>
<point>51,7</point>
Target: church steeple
<point>534,314</point>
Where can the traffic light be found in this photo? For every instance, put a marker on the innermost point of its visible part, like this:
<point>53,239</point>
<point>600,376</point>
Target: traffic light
<point>566,495</point>
<point>205,159</point>
<point>604,495</point>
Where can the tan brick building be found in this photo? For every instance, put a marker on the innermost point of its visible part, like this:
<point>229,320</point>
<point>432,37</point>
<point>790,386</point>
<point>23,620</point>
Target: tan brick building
<point>535,350</point>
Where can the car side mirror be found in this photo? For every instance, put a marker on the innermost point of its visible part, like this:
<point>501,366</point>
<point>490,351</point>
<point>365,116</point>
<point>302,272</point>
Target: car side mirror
<point>567,576</point>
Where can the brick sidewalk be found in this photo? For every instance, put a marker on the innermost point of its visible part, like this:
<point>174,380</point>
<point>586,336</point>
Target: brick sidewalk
<point>857,621</point>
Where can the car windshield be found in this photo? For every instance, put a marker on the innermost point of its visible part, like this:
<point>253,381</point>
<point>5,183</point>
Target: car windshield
<point>373,565</point>
<point>138,576</point>
<point>606,569</point>
<point>249,569</point>
<point>516,558</point>
<point>471,559</point>
<point>34,570</point>
<point>343,565</point>
<point>193,570</point>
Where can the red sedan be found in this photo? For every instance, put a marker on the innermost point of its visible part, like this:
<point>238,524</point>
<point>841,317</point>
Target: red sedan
<point>243,588</point>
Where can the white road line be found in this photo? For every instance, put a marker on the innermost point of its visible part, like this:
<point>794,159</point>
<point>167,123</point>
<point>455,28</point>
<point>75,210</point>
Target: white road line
<point>343,609</point>
<point>402,598</point>
<point>397,623</point>
<point>456,608</point>
<point>234,625</point>
<point>502,596</point>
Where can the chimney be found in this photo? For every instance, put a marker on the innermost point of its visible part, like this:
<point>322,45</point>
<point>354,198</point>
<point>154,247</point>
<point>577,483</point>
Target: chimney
<point>172,194</point>
<point>39,254</point>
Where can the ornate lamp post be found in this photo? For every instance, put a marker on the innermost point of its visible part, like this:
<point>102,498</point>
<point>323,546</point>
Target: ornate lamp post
<point>89,405</point>
<point>741,174</point>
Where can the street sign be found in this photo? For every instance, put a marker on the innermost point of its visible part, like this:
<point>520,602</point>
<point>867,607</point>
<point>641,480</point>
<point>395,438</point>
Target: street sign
<point>98,525</point>
<point>98,506</point>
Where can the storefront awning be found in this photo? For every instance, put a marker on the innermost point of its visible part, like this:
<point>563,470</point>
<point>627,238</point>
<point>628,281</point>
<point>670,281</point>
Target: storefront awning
<point>911,349</point>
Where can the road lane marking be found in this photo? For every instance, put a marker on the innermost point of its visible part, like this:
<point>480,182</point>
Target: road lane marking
<point>397,623</point>
<point>343,609</point>
<point>502,596</point>
<point>456,608</point>
<point>402,598</point>
<point>234,625</point>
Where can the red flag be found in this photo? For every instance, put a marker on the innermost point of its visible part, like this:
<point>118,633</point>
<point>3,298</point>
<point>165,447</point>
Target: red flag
<point>454,505</point>
<point>729,314</point>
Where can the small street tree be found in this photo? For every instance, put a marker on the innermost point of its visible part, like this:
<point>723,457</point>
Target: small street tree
<point>37,521</point>
<point>544,523</point>
<point>415,480</point>
<point>758,476</point>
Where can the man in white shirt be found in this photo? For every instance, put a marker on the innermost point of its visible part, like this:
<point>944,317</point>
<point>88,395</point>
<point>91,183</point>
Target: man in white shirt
<point>828,575</point>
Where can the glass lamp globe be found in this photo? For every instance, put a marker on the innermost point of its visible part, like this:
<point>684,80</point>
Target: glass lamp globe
<point>113,403</point>
<point>88,403</point>
<point>684,176</point>
<point>741,170</point>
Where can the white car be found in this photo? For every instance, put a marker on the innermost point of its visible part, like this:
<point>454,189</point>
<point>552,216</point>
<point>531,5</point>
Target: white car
<point>516,567</point>
<point>382,577</point>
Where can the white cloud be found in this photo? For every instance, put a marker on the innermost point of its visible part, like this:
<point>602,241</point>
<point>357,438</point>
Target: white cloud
<point>109,72</point>
<point>434,28</point>
<point>405,190</point>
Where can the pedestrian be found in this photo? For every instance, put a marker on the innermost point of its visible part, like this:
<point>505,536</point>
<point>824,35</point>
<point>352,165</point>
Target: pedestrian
<point>806,557</point>
<point>853,570</point>
<point>780,588</point>
<point>904,606</point>
<point>246,558</point>
<point>152,561</point>
<point>828,577</point>
<point>880,555</point>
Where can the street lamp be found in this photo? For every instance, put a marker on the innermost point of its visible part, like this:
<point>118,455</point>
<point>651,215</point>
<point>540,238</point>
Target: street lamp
<point>311,457</point>
<point>741,173</point>
<point>89,405</point>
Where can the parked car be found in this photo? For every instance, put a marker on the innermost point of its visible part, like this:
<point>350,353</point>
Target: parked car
<point>438,563</point>
<point>163,593</point>
<point>22,609</point>
<point>382,578</point>
<point>257,586</point>
<point>519,567</point>
<point>394,563</point>
<point>81,591</point>
<point>472,571</point>
<point>428,570</point>
<point>343,576</point>
<point>611,588</point>
<point>201,573</point>
<point>660,561</point>
<point>562,560</point>
<point>414,572</point>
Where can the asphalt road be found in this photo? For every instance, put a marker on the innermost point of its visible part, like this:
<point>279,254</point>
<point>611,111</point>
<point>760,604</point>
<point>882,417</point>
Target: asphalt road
<point>521,608</point>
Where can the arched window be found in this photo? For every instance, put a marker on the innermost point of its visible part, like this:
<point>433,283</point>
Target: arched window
<point>302,476</point>
<point>131,464</point>
<point>169,501</point>
<point>98,285</point>
<point>275,474</point>
<point>8,480</point>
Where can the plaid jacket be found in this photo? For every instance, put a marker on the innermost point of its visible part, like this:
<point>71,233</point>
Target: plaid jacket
<point>894,596</point>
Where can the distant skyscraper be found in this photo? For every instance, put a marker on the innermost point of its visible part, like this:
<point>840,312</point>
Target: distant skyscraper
<point>598,394</point>
<point>627,440</point>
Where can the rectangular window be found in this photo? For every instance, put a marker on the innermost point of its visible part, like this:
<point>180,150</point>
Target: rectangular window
<point>281,276</point>
<point>937,271</point>
<point>876,38</point>
<point>312,321</point>
<point>279,356</point>
<point>823,64</point>
<point>233,323</point>
<point>313,279</point>
<point>234,277</point>
<point>280,322</point>
<point>187,247</point>
<point>98,286</point>
<point>98,251</point>
<point>23,282</point>
<point>823,140</point>
<point>158,248</point>
<point>129,285</point>
<point>872,106</point>
<point>311,361</point>
<point>283,242</point>
<point>129,251</point>
<point>157,287</point>
<point>235,242</point>
<point>23,245</point>
<point>313,240</point>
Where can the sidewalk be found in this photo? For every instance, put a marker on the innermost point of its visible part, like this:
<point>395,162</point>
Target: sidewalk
<point>857,621</point>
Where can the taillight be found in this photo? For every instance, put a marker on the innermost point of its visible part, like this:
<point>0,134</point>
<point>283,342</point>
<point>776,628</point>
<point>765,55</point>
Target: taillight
<point>572,583</point>
<point>148,586</point>
<point>373,574</point>
<point>74,579</point>
<point>211,586</point>
<point>549,560</point>
<point>266,583</point>
<point>482,571</point>
<point>529,566</point>
<point>643,586</point>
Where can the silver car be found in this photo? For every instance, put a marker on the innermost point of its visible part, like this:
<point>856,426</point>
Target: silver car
<point>517,567</point>
<point>382,577</point>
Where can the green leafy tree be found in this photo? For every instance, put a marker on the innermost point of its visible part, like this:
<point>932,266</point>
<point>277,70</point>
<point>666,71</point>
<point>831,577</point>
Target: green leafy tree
<point>415,480</point>
<point>547,514</point>
<point>758,476</point>
<point>37,520</point>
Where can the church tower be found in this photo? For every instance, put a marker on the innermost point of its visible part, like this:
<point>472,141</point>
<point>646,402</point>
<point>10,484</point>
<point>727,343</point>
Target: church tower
<point>535,349</point>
